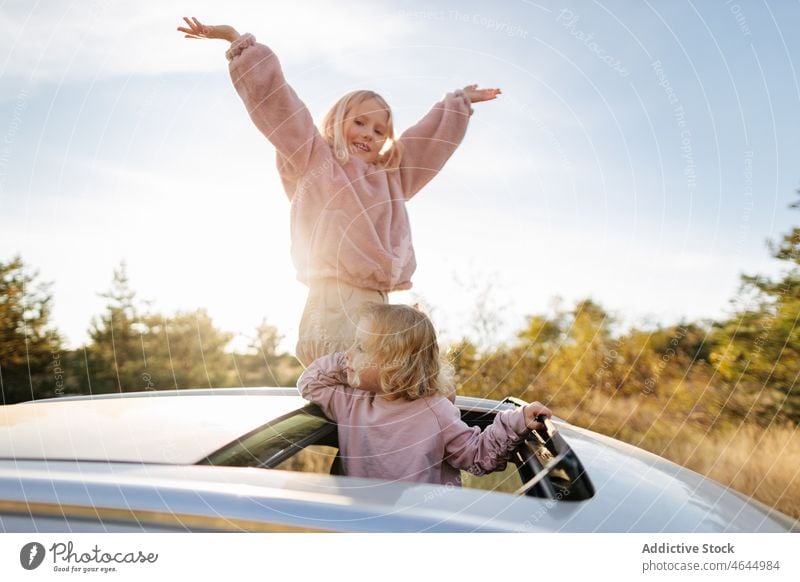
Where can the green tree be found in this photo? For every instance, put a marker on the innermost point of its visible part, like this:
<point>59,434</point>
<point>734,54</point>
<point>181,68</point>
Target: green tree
<point>262,364</point>
<point>758,349</point>
<point>29,345</point>
<point>554,358</point>
<point>184,351</point>
<point>115,354</point>
<point>582,356</point>
<point>132,349</point>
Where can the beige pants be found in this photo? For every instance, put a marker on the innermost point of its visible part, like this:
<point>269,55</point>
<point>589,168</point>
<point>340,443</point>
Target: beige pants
<point>329,318</point>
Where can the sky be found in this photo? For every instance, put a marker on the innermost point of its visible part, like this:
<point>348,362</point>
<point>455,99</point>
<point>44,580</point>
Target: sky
<point>641,153</point>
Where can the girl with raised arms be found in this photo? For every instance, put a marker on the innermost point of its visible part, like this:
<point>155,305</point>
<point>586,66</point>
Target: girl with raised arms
<point>348,182</point>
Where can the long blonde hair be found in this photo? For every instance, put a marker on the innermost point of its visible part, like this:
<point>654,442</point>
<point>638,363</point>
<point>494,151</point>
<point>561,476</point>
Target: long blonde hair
<point>403,343</point>
<point>332,129</point>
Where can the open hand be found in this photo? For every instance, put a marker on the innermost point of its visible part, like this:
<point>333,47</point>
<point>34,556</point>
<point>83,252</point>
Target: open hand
<point>477,95</point>
<point>199,30</point>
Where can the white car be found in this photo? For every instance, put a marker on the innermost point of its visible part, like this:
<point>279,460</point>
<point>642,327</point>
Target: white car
<point>257,459</point>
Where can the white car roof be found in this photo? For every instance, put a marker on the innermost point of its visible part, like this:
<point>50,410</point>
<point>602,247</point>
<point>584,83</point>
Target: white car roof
<point>177,429</point>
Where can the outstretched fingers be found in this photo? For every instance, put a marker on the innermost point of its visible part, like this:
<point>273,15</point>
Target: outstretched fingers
<point>196,28</point>
<point>190,32</point>
<point>489,94</point>
<point>203,28</point>
<point>477,95</point>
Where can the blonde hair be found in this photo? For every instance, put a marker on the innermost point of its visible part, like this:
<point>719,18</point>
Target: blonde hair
<point>332,129</point>
<point>402,341</point>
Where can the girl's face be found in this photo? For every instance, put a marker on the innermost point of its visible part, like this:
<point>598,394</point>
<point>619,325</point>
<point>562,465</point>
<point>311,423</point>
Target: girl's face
<point>365,128</point>
<point>362,367</point>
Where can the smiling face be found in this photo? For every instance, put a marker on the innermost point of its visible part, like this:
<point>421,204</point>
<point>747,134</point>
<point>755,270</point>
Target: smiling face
<point>362,366</point>
<point>365,128</point>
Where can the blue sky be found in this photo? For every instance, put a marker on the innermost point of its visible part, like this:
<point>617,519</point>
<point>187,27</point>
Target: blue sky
<point>641,152</point>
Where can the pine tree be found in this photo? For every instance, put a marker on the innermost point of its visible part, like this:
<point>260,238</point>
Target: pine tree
<point>29,345</point>
<point>115,351</point>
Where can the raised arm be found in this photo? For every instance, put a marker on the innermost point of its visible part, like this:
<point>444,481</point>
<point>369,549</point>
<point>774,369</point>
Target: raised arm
<point>271,102</point>
<point>325,383</point>
<point>429,143</point>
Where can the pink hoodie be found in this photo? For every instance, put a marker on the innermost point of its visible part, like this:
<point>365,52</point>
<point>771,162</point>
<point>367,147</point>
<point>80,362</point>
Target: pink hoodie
<point>347,221</point>
<point>421,440</point>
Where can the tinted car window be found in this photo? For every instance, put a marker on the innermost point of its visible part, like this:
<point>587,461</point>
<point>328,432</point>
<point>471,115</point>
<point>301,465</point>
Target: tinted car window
<point>272,444</point>
<point>312,459</point>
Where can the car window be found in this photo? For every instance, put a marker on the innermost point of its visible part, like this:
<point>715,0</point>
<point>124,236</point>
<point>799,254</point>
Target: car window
<point>312,459</point>
<point>505,481</point>
<point>272,444</point>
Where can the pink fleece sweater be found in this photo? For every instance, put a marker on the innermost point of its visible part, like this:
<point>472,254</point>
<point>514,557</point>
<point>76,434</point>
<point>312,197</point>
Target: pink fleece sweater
<point>422,440</point>
<point>348,221</point>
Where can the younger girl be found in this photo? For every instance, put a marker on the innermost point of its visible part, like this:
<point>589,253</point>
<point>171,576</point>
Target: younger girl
<point>347,183</point>
<point>387,395</point>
